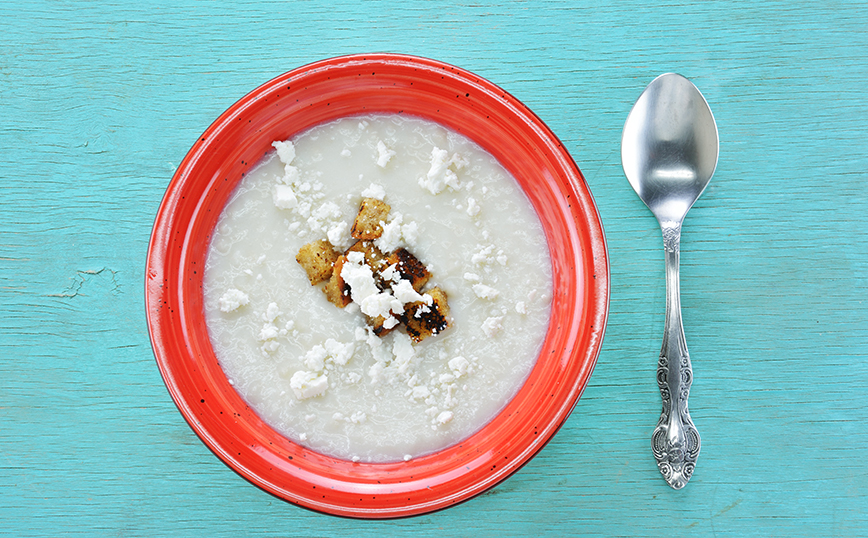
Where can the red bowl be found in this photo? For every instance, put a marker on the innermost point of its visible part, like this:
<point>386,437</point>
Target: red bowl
<point>286,106</point>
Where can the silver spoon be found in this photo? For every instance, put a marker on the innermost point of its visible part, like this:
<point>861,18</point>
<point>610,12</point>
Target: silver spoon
<point>669,152</point>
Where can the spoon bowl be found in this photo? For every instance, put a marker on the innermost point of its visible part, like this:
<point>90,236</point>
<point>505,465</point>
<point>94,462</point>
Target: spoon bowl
<point>669,146</point>
<point>669,151</point>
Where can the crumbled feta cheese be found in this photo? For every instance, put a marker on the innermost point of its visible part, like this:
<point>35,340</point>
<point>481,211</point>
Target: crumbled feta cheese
<point>403,351</point>
<point>397,234</point>
<point>444,417</point>
<point>308,384</point>
<point>270,346</point>
<point>405,293</point>
<point>485,292</point>
<point>384,154</point>
<point>328,210</point>
<point>420,392</point>
<point>232,300</point>
<point>339,235</point>
<point>439,175</point>
<point>407,457</point>
<point>459,366</point>
<point>364,290</point>
<point>302,437</point>
<point>473,207</point>
<point>315,358</point>
<point>340,353</point>
<point>353,378</point>
<point>285,151</point>
<point>483,255</point>
<point>492,326</point>
<point>268,331</point>
<point>374,191</point>
<point>521,307</point>
<point>284,197</point>
<point>346,152</point>
<point>271,312</point>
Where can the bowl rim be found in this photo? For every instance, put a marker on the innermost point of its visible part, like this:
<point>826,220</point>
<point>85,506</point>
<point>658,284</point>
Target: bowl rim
<point>174,269</point>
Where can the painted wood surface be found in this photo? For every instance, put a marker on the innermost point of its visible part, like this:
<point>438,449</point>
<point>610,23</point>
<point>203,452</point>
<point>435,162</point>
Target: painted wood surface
<point>99,102</point>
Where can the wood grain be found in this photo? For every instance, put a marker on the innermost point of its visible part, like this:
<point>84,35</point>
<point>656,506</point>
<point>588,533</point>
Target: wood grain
<point>100,101</point>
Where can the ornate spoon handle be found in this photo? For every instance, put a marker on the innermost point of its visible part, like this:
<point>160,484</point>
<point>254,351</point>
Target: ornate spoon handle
<point>675,441</point>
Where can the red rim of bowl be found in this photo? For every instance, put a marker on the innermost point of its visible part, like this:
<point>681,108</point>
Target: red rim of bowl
<point>288,105</point>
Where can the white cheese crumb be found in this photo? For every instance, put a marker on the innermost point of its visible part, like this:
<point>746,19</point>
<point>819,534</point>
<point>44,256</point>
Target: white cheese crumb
<point>315,358</point>
<point>353,378</point>
<point>339,235</point>
<point>444,417</point>
<point>269,331</point>
<point>364,290</point>
<point>384,154</point>
<point>270,346</point>
<point>439,175</point>
<point>284,197</point>
<point>521,307</point>
<point>397,234</point>
<point>390,322</point>
<point>346,152</point>
<point>271,312</point>
<point>232,300</point>
<point>472,277</point>
<point>356,459</point>
<point>407,457</point>
<point>374,191</point>
<point>405,293</point>
<point>492,326</point>
<point>483,255</point>
<point>485,292</point>
<point>459,366</point>
<point>420,392</point>
<point>302,436</point>
<point>472,207</point>
<point>285,151</point>
<point>340,353</point>
<point>308,384</point>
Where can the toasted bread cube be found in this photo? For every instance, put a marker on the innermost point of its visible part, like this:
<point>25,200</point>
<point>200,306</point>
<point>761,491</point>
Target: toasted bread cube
<point>317,259</point>
<point>367,224</point>
<point>409,267</point>
<point>374,258</point>
<point>422,320</point>
<point>336,290</point>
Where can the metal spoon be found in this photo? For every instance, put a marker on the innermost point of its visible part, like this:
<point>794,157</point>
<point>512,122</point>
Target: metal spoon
<point>669,152</point>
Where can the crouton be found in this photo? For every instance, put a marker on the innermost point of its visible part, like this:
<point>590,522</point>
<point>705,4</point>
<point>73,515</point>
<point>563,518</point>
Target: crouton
<point>336,290</point>
<point>317,259</point>
<point>422,320</point>
<point>409,267</point>
<point>367,224</point>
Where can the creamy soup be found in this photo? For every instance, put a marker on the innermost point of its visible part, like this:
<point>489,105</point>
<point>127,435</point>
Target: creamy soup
<point>317,373</point>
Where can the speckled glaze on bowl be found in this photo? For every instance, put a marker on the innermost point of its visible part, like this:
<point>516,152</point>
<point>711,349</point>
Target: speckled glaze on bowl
<point>290,104</point>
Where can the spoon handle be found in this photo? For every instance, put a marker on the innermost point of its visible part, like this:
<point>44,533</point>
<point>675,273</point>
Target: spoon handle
<point>675,441</point>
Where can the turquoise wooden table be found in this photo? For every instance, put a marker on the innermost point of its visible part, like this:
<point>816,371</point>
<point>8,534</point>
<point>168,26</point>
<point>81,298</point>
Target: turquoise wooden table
<point>99,102</point>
